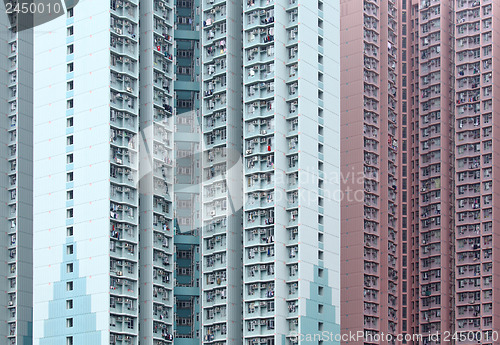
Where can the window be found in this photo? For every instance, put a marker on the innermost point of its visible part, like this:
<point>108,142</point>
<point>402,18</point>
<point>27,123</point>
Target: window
<point>70,13</point>
<point>69,177</point>
<point>69,286</point>
<point>321,255</point>
<point>69,85</point>
<point>69,231</point>
<point>69,140</point>
<point>69,340</point>
<point>69,195</point>
<point>70,67</point>
<point>69,268</point>
<point>320,290</point>
<point>69,304</point>
<point>69,122</point>
<point>320,308</point>
<point>320,272</point>
<point>69,158</point>
<point>70,49</point>
<point>69,104</point>
<point>69,322</point>
<point>69,249</point>
<point>69,213</point>
<point>70,31</point>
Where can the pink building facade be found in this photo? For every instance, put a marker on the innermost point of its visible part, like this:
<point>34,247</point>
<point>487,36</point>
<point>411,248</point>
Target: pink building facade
<point>369,152</point>
<point>419,170</point>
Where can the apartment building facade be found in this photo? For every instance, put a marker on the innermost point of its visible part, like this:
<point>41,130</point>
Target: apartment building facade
<point>445,168</point>
<point>370,167</point>
<point>276,306</point>
<point>168,173</point>
<point>157,65</point>
<point>291,219</point>
<point>86,195</point>
<point>16,167</point>
<point>221,176</point>
<point>434,214</point>
<point>475,239</point>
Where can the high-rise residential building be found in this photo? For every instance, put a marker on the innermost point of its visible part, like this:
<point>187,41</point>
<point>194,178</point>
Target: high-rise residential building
<point>445,170</point>
<point>291,239</point>
<point>162,214</point>
<point>86,179</point>
<point>432,116</point>
<point>371,134</point>
<point>17,167</point>
<point>156,171</point>
<point>221,213</point>
<point>290,87</point>
<point>476,91</point>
